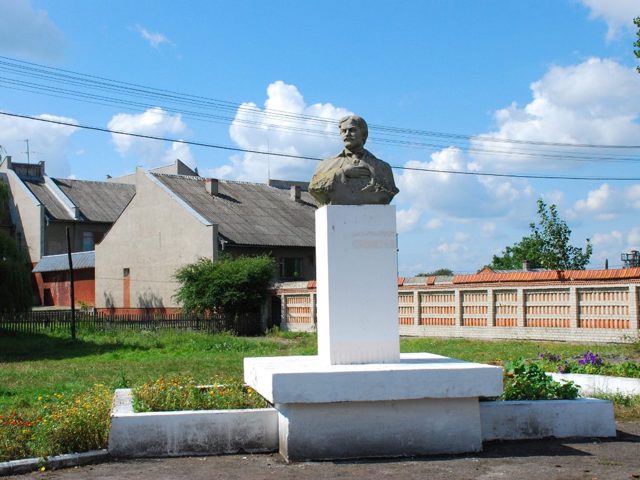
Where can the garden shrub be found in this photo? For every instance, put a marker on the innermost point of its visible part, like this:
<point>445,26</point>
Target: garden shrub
<point>528,381</point>
<point>231,285</point>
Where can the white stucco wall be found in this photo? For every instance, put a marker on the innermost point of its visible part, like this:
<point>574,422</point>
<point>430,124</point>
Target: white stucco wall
<point>154,236</point>
<point>27,214</point>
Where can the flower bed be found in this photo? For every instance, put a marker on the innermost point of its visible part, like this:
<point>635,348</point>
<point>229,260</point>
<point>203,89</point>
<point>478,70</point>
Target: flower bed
<point>183,393</point>
<point>190,432</point>
<point>61,425</point>
<point>590,363</point>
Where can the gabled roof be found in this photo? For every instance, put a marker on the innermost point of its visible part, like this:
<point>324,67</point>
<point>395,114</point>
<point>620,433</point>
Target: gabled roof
<point>59,263</point>
<point>251,214</point>
<point>97,201</point>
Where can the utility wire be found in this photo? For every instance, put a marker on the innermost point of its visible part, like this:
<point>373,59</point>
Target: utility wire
<point>127,88</point>
<point>302,157</point>
<point>261,124</point>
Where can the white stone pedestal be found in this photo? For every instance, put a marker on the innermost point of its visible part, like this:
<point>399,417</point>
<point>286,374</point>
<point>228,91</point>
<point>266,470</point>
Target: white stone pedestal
<point>422,404</point>
<point>356,271</point>
<point>359,397</point>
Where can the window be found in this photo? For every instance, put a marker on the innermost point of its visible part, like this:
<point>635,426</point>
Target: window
<point>125,272</point>
<point>88,241</point>
<point>291,268</point>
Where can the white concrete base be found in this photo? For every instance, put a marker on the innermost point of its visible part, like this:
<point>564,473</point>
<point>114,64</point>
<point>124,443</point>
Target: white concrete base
<point>400,428</point>
<point>306,379</point>
<point>204,432</point>
<point>524,419</point>
<point>356,271</point>
<point>422,404</point>
<point>596,384</point>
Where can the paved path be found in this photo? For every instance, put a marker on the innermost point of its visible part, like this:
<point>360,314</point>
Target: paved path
<point>548,460</point>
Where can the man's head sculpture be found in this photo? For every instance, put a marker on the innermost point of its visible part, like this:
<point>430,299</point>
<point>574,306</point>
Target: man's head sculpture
<point>354,176</point>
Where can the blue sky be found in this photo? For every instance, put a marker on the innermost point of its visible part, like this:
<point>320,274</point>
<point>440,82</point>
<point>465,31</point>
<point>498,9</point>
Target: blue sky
<point>534,71</point>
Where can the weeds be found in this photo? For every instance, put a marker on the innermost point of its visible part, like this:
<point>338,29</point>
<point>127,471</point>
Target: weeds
<point>183,393</point>
<point>527,381</point>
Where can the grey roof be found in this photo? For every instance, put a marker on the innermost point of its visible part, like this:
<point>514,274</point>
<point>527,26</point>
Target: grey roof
<point>97,201</point>
<point>54,208</point>
<point>58,263</point>
<point>249,213</point>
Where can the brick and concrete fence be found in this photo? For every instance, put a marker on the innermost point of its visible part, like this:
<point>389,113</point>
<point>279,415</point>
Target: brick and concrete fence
<point>589,305</point>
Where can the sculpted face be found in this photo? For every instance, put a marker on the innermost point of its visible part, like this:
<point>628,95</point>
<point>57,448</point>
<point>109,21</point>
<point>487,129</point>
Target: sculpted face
<point>352,135</point>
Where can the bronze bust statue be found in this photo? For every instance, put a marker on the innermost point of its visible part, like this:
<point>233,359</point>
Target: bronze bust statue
<point>354,176</point>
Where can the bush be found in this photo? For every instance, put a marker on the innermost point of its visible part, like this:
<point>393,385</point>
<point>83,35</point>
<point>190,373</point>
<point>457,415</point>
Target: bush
<point>182,393</point>
<point>231,285</point>
<point>527,381</point>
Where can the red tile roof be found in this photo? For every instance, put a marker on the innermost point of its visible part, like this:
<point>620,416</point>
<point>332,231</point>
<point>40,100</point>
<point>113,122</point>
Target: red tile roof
<point>548,276</point>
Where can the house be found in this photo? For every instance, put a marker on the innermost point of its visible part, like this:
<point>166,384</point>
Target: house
<point>130,234</point>
<point>42,208</point>
<point>174,220</point>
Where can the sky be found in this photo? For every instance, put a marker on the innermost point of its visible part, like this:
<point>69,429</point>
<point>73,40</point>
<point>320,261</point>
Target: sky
<point>499,90</point>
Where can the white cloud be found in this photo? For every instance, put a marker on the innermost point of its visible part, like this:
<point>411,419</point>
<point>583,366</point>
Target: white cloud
<point>618,14</point>
<point>607,203</point>
<point>27,32</point>
<point>603,203</point>
<point>269,130</point>
<point>47,141</point>
<point>155,122</point>
<point>595,102</point>
<point>155,39</point>
<point>633,239</point>
<point>457,196</point>
<point>407,220</point>
<point>607,246</point>
<point>488,229</point>
<point>434,224</point>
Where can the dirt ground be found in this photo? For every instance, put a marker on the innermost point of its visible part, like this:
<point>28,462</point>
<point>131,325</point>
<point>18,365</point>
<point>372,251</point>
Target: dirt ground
<point>606,459</point>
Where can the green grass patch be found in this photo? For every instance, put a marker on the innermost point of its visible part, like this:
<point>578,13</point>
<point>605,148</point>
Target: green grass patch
<point>54,371</point>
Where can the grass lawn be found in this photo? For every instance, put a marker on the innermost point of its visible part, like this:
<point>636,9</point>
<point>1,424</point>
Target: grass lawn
<point>40,365</point>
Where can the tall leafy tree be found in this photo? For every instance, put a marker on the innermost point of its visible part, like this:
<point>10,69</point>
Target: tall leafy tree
<point>231,285</point>
<point>548,246</point>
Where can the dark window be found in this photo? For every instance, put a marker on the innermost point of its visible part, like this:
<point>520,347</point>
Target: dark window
<point>291,268</point>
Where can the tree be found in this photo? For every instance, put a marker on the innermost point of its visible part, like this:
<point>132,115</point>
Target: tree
<point>636,21</point>
<point>435,273</point>
<point>15,277</point>
<point>546,247</point>
<point>230,285</point>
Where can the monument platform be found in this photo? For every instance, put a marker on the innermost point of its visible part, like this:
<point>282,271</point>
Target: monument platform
<point>422,404</point>
<point>359,397</point>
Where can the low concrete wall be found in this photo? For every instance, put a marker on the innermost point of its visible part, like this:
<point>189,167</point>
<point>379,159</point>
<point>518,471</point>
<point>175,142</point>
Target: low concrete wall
<point>523,419</point>
<point>206,432</point>
<point>595,384</point>
<point>210,432</point>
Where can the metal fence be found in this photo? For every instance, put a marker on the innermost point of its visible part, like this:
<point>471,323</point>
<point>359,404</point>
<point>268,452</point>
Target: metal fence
<point>47,321</point>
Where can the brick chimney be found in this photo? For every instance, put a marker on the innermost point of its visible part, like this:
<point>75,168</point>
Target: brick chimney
<point>525,265</point>
<point>294,193</point>
<point>211,186</point>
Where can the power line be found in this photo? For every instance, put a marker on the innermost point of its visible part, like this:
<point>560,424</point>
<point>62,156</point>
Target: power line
<point>302,157</point>
<point>52,74</point>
